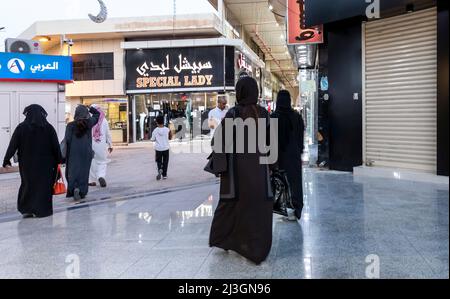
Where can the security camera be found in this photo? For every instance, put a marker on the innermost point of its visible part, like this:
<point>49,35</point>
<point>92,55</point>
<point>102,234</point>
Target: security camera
<point>69,42</point>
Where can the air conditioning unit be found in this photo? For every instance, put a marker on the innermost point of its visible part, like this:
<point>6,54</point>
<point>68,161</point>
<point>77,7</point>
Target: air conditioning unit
<point>16,45</point>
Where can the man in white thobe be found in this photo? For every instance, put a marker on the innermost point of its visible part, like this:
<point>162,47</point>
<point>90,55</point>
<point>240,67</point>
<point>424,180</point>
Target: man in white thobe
<point>101,145</point>
<point>216,115</point>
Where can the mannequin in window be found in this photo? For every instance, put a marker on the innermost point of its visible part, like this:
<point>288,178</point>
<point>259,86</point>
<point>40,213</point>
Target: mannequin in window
<point>142,117</point>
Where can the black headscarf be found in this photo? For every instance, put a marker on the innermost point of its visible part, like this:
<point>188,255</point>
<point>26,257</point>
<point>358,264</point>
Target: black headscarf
<point>35,115</point>
<point>82,112</point>
<point>284,101</point>
<point>247,91</point>
<point>247,97</point>
<point>287,120</point>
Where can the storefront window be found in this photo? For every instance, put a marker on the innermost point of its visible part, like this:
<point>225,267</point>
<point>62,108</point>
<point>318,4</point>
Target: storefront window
<point>190,108</point>
<point>309,104</point>
<point>116,114</point>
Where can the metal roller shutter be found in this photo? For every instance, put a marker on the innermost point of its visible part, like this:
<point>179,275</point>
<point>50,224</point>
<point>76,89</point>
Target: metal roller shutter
<point>400,90</point>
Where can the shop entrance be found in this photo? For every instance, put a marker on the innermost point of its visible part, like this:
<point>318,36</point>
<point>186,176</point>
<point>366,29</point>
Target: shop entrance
<point>309,110</point>
<point>190,109</point>
<point>116,110</point>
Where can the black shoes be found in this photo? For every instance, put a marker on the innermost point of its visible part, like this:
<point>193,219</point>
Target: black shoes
<point>76,194</point>
<point>28,215</point>
<point>158,177</point>
<point>102,182</point>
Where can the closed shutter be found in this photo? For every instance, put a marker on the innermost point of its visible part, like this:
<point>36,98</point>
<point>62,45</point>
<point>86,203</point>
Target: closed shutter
<point>400,91</point>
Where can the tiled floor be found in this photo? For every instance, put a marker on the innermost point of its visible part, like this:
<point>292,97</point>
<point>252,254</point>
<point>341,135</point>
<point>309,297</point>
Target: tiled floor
<point>404,224</point>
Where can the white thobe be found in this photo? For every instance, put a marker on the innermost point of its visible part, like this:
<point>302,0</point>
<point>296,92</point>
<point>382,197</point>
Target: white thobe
<point>100,161</point>
<point>216,115</point>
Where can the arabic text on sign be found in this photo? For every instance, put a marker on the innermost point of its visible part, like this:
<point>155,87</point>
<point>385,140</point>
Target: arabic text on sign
<point>242,63</point>
<point>43,68</point>
<point>183,65</point>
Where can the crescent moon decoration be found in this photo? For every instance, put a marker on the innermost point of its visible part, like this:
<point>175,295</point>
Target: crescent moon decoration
<point>102,15</point>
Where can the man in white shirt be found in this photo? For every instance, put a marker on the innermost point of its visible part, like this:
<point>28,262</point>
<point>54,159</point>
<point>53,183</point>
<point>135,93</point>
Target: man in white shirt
<point>161,136</point>
<point>216,115</point>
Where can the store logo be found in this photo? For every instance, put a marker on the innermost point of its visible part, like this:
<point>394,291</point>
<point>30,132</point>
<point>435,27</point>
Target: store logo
<point>16,66</point>
<point>242,63</point>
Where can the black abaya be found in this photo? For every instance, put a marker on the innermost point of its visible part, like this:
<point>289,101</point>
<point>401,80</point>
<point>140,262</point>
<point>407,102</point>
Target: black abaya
<point>243,221</point>
<point>37,145</point>
<point>79,153</point>
<point>290,138</point>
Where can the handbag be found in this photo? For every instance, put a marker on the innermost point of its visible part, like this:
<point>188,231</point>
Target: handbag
<point>217,164</point>
<point>282,199</point>
<point>59,187</point>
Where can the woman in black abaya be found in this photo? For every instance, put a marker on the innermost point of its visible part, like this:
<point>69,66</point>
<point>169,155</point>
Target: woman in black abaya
<point>243,218</point>
<point>291,130</point>
<point>79,153</point>
<point>37,145</point>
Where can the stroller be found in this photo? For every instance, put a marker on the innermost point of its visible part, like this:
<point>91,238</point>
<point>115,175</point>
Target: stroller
<point>281,193</point>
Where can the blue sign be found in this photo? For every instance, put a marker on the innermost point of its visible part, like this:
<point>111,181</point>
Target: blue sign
<point>35,67</point>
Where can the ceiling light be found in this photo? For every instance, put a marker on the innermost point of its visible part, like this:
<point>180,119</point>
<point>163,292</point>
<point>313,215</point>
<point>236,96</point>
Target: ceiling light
<point>270,7</point>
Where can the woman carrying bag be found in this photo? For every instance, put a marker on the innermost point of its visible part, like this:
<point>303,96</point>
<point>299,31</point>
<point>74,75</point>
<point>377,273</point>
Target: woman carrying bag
<point>291,130</point>
<point>39,154</point>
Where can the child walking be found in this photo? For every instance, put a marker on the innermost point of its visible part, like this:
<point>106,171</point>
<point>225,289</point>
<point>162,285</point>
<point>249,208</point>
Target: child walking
<point>161,136</point>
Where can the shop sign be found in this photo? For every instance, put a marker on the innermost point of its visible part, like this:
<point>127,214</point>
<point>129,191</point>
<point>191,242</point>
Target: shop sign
<point>243,65</point>
<point>298,33</point>
<point>35,67</point>
<point>176,69</point>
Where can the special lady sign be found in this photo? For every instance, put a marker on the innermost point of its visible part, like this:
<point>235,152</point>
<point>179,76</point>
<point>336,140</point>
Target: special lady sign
<point>175,69</point>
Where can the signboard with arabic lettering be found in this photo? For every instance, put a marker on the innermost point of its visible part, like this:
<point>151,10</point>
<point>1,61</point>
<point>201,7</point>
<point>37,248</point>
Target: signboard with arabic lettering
<point>245,64</point>
<point>175,69</point>
<point>34,67</point>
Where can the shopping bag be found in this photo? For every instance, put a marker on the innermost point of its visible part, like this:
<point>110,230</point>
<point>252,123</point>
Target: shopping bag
<point>59,187</point>
<point>282,199</point>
